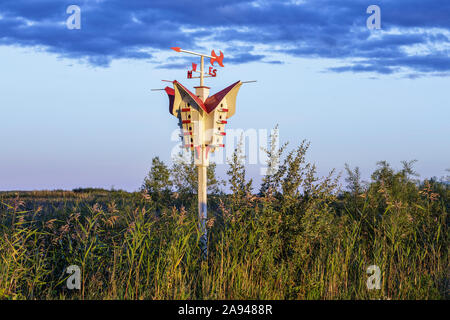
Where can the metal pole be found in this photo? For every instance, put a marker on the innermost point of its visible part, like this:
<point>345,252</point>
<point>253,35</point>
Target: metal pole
<point>202,165</point>
<point>202,75</point>
<point>202,206</point>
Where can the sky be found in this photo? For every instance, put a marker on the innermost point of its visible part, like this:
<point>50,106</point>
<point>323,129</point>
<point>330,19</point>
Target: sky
<point>77,109</point>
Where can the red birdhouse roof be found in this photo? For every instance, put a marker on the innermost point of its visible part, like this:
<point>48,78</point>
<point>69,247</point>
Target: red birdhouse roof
<point>209,105</point>
<point>212,102</point>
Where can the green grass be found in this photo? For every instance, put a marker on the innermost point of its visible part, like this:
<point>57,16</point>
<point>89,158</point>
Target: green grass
<point>301,237</point>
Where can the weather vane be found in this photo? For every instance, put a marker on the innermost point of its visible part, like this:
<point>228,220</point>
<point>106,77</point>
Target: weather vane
<point>202,119</point>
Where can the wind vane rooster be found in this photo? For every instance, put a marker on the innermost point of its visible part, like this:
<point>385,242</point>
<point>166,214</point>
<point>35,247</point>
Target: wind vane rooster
<point>202,119</point>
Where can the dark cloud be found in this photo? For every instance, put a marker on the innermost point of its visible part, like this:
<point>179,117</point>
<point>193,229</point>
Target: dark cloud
<point>134,29</point>
<point>360,67</point>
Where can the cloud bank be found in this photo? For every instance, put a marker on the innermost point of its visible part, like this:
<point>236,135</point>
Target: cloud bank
<point>414,39</point>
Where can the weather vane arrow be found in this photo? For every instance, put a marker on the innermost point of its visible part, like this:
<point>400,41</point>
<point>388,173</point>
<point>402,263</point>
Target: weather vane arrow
<point>214,57</point>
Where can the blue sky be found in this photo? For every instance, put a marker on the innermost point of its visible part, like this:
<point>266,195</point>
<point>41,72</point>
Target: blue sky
<point>77,109</point>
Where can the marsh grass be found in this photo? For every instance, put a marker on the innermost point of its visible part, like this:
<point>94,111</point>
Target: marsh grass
<point>299,237</point>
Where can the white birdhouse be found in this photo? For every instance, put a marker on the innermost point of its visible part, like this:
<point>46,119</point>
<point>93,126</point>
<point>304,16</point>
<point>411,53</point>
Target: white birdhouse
<point>202,119</point>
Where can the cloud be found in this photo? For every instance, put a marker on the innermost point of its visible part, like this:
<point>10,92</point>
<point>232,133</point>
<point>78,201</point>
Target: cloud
<point>414,37</point>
